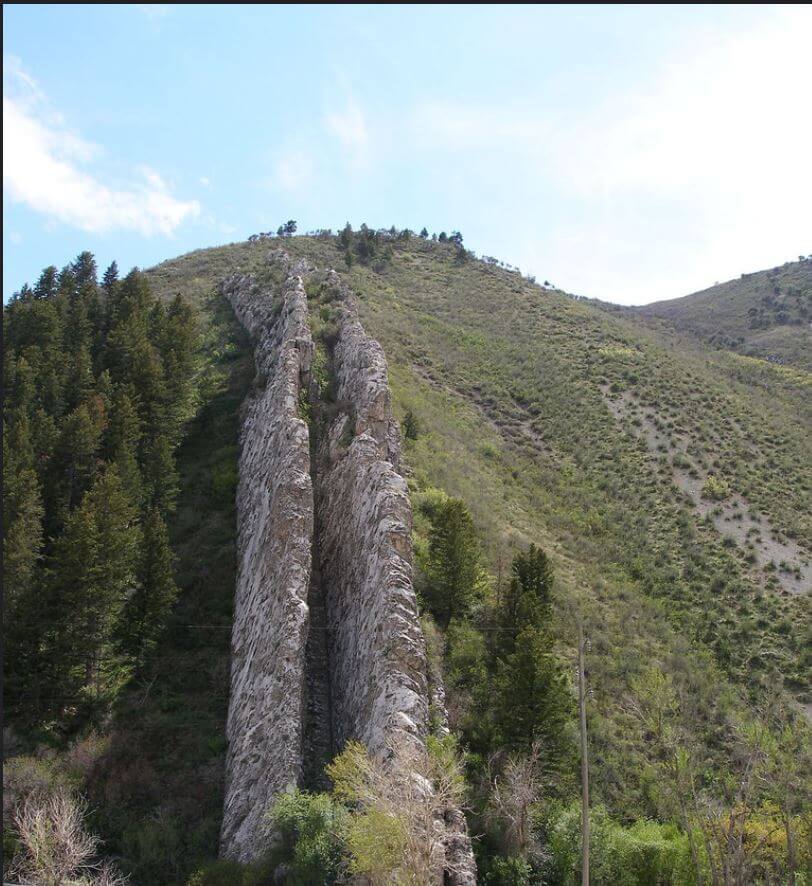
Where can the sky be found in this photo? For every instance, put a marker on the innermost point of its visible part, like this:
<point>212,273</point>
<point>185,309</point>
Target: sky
<point>629,153</point>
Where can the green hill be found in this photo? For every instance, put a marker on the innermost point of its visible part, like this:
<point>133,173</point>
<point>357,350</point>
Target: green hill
<point>594,435</point>
<point>766,314</point>
<point>667,476</point>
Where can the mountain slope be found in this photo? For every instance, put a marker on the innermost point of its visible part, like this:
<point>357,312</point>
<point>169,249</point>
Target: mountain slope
<point>594,436</point>
<point>765,314</point>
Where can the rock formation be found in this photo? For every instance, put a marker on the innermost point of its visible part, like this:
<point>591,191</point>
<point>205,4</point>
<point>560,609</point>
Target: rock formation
<point>275,527</point>
<point>327,643</point>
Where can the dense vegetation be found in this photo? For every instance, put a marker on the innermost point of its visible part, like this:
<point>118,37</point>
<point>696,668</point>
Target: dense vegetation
<point>119,560</point>
<point>546,441</point>
<point>100,382</point>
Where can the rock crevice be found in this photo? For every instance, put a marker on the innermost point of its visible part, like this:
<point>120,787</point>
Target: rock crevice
<point>327,644</point>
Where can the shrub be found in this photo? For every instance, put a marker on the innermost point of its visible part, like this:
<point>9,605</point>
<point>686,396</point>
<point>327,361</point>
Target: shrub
<point>312,828</point>
<point>508,872</point>
<point>715,489</point>
<point>410,426</point>
<point>645,854</point>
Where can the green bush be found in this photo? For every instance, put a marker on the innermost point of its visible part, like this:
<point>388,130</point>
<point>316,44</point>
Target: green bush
<point>507,872</point>
<point>221,873</point>
<point>645,854</point>
<point>715,489</point>
<point>311,827</point>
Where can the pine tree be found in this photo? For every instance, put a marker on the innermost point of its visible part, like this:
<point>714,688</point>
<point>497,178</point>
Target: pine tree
<point>178,349</point>
<point>47,284</point>
<point>526,602</point>
<point>94,571</point>
<point>110,278</point>
<point>99,383</point>
<point>66,282</point>
<point>79,382</point>
<point>453,570</point>
<point>158,471</point>
<point>147,609</point>
<point>75,461</point>
<point>122,441</point>
<point>531,702</point>
<point>84,270</point>
<point>22,514</point>
<point>22,551</point>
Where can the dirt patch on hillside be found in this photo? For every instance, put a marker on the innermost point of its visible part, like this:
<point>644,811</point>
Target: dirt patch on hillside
<point>768,553</point>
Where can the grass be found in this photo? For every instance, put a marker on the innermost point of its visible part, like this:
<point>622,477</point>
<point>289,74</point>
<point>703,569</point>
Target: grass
<point>511,385</point>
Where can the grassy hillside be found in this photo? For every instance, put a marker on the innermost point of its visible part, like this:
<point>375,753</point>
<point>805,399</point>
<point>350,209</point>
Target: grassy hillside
<point>766,314</point>
<point>594,436</point>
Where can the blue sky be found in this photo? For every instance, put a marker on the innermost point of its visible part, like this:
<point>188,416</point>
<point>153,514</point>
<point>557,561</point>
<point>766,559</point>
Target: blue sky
<point>627,153</point>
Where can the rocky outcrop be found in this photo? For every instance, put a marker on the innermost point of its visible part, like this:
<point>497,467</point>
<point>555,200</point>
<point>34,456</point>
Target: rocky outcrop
<point>275,528</point>
<point>327,643</point>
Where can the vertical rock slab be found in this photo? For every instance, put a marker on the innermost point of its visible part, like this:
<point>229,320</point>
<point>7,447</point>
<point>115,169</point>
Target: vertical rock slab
<point>379,669</point>
<point>275,529</point>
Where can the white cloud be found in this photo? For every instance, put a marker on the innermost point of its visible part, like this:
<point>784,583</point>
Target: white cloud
<point>715,154</point>
<point>43,168</point>
<point>699,174</point>
<point>350,128</point>
<point>292,171</point>
<point>154,11</point>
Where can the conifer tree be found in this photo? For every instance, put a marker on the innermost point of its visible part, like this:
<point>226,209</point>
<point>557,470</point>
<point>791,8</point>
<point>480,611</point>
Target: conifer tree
<point>122,441</point>
<point>98,384</point>
<point>76,459</point>
<point>96,560</point>
<point>158,471</point>
<point>531,700</point>
<point>453,570</point>
<point>148,608</point>
<point>46,286</point>
<point>22,514</point>
<point>110,278</point>
<point>84,270</point>
<point>527,600</point>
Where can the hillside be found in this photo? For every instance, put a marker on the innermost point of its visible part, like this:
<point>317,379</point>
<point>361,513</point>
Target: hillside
<point>594,436</point>
<point>668,481</point>
<point>766,314</point>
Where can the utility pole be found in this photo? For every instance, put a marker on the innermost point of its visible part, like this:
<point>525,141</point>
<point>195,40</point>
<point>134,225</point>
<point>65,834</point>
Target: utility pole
<point>582,646</point>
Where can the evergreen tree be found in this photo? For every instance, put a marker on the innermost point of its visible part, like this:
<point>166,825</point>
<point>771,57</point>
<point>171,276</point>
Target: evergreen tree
<point>148,608</point>
<point>46,286</point>
<point>178,348</point>
<point>345,236</point>
<point>22,550</point>
<point>22,514</point>
<point>526,602</point>
<point>453,571</point>
<point>110,278</point>
<point>122,441</point>
<point>531,702</point>
<point>99,384</point>
<point>159,474</point>
<point>75,461</point>
<point>410,426</point>
<point>94,571</point>
<point>79,382</point>
<point>66,282</point>
<point>84,270</point>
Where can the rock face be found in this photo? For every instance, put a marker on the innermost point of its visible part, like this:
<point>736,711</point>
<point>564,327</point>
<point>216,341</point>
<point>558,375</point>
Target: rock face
<point>275,528</point>
<point>327,644</point>
<point>377,649</point>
